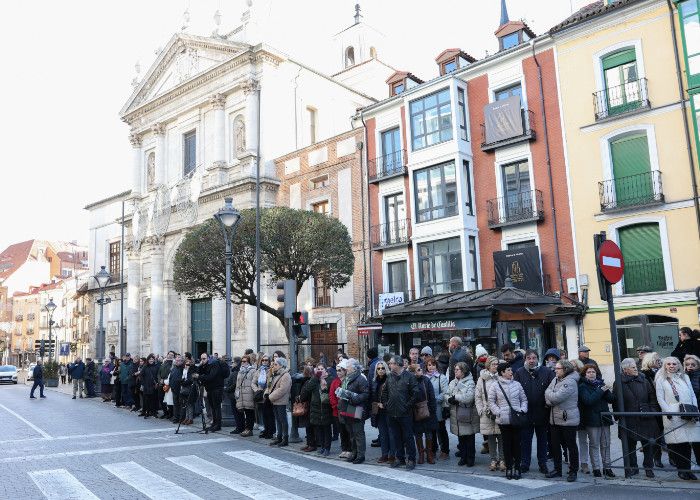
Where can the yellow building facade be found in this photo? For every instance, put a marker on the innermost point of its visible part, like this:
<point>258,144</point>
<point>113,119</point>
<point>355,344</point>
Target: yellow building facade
<point>629,172</point>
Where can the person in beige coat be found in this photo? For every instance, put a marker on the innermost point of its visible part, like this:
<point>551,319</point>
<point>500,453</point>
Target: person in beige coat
<point>464,420</point>
<point>278,393</point>
<point>489,427</point>
<point>244,395</point>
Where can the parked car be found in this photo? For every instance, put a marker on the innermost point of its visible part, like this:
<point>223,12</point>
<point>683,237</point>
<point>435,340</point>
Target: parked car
<point>30,371</point>
<point>8,374</point>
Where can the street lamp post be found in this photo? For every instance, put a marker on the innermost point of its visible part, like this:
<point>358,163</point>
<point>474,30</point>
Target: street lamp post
<point>102,279</point>
<point>228,219</point>
<point>50,308</point>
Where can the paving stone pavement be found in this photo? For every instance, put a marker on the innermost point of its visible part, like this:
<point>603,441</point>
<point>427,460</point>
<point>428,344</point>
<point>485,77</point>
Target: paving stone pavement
<point>63,448</point>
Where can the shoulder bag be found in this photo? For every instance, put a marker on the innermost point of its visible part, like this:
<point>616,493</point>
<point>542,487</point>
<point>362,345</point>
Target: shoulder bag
<point>517,418</point>
<point>299,408</point>
<point>420,409</point>
<point>487,410</point>
<point>683,407</point>
<point>375,404</point>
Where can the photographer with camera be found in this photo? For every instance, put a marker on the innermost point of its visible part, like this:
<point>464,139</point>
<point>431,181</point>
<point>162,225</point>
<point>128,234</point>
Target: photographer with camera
<point>212,375</point>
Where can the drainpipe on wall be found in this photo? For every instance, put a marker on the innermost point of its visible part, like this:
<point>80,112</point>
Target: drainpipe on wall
<point>369,218</point>
<point>681,97</point>
<point>549,169</point>
<point>360,148</point>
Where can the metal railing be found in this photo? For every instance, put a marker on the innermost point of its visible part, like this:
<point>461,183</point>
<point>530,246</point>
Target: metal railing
<point>386,166</point>
<point>397,232</point>
<point>621,99</point>
<point>322,296</point>
<point>528,120</point>
<point>516,208</point>
<point>644,276</point>
<point>632,191</point>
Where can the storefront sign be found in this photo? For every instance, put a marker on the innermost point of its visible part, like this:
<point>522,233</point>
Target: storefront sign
<point>438,325</point>
<point>434,325</point>
<point>390,299</point>
<point>523,267</point>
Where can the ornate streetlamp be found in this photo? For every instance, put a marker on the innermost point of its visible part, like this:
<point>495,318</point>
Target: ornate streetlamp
<point>50,308</point>
<point>102,278</point>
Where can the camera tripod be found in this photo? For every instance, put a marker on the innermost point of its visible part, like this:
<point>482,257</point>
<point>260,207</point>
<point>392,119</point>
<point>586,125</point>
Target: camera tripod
<point>184,402</point>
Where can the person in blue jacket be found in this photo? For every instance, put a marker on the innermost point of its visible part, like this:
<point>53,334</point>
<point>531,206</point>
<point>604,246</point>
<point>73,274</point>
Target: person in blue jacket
<point>77,373</point>
<point>38,374</point>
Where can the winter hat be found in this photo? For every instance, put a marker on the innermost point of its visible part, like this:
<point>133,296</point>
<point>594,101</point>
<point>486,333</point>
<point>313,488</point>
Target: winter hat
<point>426,350</point>
<point>480,351</point>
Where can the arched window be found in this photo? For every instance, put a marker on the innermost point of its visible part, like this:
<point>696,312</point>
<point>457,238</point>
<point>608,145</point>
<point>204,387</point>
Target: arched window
<point>349,57</point>
<point>373,52</point>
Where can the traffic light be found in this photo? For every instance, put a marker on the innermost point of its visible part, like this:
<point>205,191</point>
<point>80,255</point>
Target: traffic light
<point>287,297</point>
<point>300,325</point>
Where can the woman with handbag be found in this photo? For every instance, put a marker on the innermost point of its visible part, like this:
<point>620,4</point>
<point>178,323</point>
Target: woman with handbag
<point>320,413</point>
<point>379,417</point>
<point>487,420</point>
<point>278,394</point>
<point>424,416</point>
<point>261,376</point>
<point>464,419</point>
<point>562,397</point>
<point>674,393</point>
<point>593,398</point>
<point>441,388</point>
<point>245,402</point>
<point>507,401</point>
<point>345,447</point>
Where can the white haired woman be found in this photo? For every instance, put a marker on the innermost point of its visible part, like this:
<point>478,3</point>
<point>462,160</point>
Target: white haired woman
<point>562,397</point>
<point>651,362</point>
<point>673,389</point>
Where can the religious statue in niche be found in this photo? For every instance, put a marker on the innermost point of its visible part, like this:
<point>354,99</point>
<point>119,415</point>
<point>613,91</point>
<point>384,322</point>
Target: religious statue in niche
<point>151,170</point>
<point>239,135</point>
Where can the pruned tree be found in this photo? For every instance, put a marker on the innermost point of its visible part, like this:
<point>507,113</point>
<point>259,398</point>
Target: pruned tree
<point>294,244</point>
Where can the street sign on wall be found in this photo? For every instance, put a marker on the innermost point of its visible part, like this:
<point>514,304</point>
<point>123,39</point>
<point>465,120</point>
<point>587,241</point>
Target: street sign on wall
<point>611,262</point>
<point>390,299</point>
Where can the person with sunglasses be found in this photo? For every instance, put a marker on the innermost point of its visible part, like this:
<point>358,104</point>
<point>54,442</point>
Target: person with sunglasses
<point>261,379</point>
<point>244,395</point>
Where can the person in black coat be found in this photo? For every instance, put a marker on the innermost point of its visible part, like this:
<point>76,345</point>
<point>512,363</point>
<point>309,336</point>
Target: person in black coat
<point>175,382</point>
<point>513,357</point>
<point>535,380</point>
<point>354,394</point>
<point>688,343</point>
<point>38,375</point>
<point>187,392</point>
<point>458,355</point>
<point>426,426</point>
<point>212,378</point>
<point>230,389</point>
<point>149,383</point>
<point>397,400</point>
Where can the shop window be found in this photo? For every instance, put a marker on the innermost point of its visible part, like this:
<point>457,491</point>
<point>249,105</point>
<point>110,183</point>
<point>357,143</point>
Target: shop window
<point>440,266</point>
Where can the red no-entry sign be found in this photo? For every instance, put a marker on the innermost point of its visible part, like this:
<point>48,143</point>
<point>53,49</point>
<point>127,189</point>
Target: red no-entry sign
<point>610,261</point>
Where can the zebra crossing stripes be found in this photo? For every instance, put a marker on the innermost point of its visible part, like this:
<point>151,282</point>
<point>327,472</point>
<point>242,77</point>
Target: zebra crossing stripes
<point>232,480</point>
<point>148,483</point>
<point>443,486</point>
<point>328,481</point>
<point>59,484</point>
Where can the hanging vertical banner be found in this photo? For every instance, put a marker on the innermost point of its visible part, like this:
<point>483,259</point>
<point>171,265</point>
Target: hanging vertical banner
<point>523,267</point>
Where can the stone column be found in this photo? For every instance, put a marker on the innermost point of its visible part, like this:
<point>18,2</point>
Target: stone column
<point>159,132</point>
<point>137,166</point>
<point>157,305</point>
<point>133,301</point>
<point>250,90</point>
<point>218,325</point>
<point>218,101</point>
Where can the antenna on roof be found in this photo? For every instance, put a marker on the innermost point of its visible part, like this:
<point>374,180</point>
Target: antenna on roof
<point>357,13</point>
<point>504,13</point>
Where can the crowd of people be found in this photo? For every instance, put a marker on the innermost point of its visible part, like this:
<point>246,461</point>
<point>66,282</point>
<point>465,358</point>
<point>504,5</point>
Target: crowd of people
<point>564,404</point>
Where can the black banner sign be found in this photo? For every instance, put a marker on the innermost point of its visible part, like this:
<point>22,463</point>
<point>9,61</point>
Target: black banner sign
<point>523,267</point>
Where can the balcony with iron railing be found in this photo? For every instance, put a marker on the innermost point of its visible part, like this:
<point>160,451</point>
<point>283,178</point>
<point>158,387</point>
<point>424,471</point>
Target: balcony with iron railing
<point>390,234</point>
<point>19,317</point>
<point>387,166</point>
<point>491,140</point>
<point>621,99</point>
<point>643,276</point>
<point>516,208</point>
<point>633,191</point>
<point>31,317</point>
<point>322,296</point>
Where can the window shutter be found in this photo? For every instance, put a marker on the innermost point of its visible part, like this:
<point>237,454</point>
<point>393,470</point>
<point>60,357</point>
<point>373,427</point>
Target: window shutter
<point>631,168</point>
<point>619,58</point>
<point>644,266</point>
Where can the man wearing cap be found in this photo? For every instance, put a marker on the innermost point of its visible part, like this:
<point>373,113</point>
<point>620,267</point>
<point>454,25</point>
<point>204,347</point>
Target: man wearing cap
<point>584,355</point>
<point>642,351</point>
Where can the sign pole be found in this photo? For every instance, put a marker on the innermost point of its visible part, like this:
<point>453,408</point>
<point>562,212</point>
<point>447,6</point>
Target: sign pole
<point>598,240</point>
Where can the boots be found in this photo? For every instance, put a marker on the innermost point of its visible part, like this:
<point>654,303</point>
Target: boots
<point>430,454</point>
<point>509,473</point>
<point>517,473</point>
<point>421,449</point>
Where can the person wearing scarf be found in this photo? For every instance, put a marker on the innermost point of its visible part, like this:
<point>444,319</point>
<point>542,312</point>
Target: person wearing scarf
<point>594,396</point>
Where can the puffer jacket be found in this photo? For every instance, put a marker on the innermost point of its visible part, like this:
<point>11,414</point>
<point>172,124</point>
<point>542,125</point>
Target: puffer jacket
<point>126,370</point>
<point>441,389</point>
<point>677,430</point>
<point>562,397</point>
<point>487,424</point>
<point>498,404</point>
<point>593,401</point>
<point>463,391</point>
<point>244,389</point>
<point>280,387</point>
<point>356,384</point>
<point>400,394</point>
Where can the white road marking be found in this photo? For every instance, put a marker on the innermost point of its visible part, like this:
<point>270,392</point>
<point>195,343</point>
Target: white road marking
<point>448,487</point>
<point>20,417</point>
<point>530,484</point>
<point>148,483</point>
<point>97,451</point>
<point>83,436</point>
<point>232,480</point>
<point>59,484</point>
<point>334,483</point>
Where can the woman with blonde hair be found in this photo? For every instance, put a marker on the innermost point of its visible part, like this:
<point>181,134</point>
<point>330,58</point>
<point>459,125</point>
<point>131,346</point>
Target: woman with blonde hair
<point>650,365</point>
<point>675,392</point>
<point>464,419</point>
<point>379,416</point>
<point>487,420</point>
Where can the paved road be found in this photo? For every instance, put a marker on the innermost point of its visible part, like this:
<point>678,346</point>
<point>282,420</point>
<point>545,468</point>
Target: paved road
<point>58,448</point>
